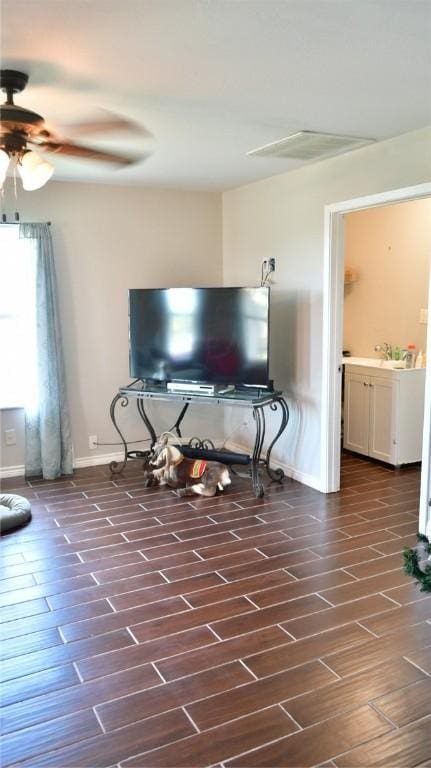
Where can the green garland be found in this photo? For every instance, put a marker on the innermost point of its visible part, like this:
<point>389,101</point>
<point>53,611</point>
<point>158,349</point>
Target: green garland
<point>416,562</point>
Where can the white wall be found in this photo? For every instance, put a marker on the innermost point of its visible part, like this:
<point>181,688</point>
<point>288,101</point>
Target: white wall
<point>390,247</point>
<point>108,239</point>
<point>283,217</point>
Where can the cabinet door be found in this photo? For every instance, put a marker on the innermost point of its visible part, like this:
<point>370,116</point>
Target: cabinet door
<point>382,419</point>
<point>356,412</point>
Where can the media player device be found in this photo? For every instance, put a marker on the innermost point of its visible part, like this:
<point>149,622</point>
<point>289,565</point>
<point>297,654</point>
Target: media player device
<point>190,387</point>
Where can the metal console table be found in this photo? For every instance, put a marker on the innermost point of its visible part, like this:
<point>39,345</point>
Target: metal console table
<point>257,399</point>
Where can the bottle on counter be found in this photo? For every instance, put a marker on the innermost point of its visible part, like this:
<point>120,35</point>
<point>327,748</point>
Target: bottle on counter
<point>410,356</point>
<point>419,360</point>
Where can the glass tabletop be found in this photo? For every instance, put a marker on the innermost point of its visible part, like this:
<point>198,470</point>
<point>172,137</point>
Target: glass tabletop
<point>221,394</point>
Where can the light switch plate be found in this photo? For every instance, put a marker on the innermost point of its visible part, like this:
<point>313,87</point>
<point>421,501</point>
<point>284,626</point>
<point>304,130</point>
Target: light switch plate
<point>10,436</point>
<point>423,316</point>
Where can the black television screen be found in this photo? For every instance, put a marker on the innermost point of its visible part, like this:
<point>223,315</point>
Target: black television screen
<point>214,335</point>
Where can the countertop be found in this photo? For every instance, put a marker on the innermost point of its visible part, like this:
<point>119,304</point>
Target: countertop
<point>377,362</point>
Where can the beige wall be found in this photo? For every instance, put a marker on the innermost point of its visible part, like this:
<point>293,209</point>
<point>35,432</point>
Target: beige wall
<point>108,239</point>
<point>283,217</point>
<point>390,247</point>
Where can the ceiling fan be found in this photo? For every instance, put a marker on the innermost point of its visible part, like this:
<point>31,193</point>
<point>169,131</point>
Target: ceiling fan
<point>20,127</point>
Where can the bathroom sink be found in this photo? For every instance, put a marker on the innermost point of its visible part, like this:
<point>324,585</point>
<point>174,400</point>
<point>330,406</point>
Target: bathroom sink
<point>392,363</point>
<point>375,362</point>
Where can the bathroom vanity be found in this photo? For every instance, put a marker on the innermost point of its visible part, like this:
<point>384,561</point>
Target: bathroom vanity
<point>383,410</point>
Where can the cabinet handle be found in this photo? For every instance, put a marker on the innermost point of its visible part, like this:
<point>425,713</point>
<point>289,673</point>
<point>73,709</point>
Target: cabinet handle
<point>371,385</point>
<point>365,384</point>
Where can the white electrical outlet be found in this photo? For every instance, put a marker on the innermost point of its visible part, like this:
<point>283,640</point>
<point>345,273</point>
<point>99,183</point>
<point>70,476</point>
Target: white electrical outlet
<point>423,316</point>
<point>92,442</point>
<point>10,437</point>
<point>269,265</point>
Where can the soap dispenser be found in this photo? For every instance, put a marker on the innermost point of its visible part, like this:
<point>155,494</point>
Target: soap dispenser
<point>419,360</point>
<point>410,356</point>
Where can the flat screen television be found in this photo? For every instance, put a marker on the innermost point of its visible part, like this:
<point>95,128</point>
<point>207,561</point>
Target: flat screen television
<point>205,335</point>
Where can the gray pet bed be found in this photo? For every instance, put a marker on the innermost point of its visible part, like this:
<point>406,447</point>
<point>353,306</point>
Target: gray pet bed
<point>14,511</point>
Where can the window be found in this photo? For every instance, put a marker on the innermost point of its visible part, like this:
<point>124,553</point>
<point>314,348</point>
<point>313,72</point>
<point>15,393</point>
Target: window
<point>18,378</point>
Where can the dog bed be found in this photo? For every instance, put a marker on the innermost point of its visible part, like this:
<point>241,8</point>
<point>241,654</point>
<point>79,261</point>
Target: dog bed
<point>14,511</point>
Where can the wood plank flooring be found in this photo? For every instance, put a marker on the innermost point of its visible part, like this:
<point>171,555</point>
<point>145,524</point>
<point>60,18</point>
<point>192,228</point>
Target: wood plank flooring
<point>140,629</point>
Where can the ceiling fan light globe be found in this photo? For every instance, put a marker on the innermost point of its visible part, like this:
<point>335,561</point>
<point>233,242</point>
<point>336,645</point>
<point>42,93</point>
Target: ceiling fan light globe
<point>38,179</point>
<point>4,164</point>
<point>34,171</point>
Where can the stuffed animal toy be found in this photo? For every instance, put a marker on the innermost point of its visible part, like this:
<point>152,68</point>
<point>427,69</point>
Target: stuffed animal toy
<point>168,466</point>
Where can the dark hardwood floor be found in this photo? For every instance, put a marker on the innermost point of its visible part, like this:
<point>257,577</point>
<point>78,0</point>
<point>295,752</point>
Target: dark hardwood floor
<point>142,629</point>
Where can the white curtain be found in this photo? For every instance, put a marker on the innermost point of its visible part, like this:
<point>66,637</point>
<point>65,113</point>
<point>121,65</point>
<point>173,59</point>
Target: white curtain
<point>48,441</point>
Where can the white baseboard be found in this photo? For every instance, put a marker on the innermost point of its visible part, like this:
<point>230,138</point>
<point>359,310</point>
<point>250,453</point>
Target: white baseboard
<point>301,477</point>
<point>97,460</point>
<point>295,474</point>
<point>84,461</point>
<point>17,471</point>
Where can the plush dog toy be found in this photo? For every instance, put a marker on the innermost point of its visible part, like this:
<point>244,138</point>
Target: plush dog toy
<point>188,476</point>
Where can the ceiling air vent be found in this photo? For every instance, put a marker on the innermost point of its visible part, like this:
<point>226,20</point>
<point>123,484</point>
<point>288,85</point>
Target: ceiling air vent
<point>309,145</point>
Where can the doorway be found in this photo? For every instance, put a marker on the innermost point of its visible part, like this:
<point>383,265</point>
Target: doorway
<point>386,274</point>
<point>333,302</point>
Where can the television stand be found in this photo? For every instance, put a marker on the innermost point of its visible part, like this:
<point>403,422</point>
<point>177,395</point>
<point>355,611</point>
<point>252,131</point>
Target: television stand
<point>258,400</point>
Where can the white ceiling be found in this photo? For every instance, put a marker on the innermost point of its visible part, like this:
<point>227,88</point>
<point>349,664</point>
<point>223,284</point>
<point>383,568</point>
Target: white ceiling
<point>212,79</point>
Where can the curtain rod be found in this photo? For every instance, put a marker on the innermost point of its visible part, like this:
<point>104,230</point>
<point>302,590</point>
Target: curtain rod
<point>17,223</point>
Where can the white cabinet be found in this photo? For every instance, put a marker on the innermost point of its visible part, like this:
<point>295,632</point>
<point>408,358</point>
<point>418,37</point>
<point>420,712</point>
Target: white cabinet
<point>383,412</point>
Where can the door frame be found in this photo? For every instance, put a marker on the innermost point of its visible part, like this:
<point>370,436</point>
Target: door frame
<point>332,341</point>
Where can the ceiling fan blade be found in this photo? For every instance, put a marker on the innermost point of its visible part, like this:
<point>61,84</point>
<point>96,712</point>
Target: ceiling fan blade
<point>89,153</point>
<point>110,123</point>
